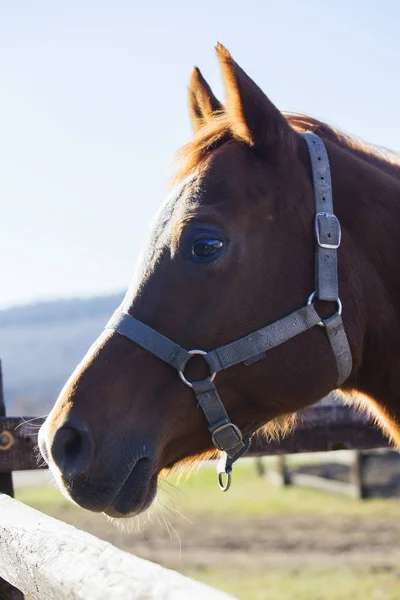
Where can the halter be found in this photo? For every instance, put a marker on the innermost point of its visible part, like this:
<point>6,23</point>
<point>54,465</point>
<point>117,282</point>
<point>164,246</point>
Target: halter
<point>226,436</point>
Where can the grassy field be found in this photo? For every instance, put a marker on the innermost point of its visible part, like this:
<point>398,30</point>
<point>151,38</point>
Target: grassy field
<point>250,495</point>
<point>258,542</point>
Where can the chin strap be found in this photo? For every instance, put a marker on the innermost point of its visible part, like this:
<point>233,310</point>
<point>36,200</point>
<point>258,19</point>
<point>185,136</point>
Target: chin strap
<point>226,436</point>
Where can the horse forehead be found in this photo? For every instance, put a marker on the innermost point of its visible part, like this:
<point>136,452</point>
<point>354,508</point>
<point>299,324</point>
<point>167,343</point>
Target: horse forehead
<point>227,165</point>
<point>225,174</point>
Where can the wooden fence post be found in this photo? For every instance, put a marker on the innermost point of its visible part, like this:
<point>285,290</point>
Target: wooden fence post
<point>358,474</point>
<point>260,466</point>
<point>7,591</point>
<point>283,471</point>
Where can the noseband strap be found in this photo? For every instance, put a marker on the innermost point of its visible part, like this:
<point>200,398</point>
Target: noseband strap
<point>226,436</point>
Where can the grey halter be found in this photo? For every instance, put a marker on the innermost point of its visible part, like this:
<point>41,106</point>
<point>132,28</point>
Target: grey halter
<point>226,436</point>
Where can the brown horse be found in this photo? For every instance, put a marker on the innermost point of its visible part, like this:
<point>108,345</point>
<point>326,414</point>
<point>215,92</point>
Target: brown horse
<point>231,251</point>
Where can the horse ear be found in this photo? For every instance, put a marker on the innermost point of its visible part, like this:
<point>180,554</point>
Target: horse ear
<point>253,117</point>
<point>202,102</point>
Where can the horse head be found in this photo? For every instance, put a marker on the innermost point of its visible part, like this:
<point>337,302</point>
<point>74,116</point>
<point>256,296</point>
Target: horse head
<point>231,250</point>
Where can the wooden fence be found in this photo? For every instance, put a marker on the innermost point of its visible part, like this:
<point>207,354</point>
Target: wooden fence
<point>356,464</point>
<point>39,554</point>
<point>49,560</point>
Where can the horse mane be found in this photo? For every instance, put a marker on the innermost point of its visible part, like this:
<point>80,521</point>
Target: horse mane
<point>380,156</point>
<point>218,131</point>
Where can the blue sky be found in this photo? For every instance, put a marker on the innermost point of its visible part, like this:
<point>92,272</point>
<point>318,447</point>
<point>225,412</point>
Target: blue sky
<point>93,108</point>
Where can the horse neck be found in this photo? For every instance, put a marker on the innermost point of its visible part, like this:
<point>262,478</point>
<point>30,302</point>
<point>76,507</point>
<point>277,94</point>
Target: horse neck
<point>367,202</point>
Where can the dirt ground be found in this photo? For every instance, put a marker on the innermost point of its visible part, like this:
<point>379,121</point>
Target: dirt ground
<point>372,544</point>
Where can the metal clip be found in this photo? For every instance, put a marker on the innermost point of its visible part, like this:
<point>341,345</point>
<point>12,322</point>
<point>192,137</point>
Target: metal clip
<point>225,486</point>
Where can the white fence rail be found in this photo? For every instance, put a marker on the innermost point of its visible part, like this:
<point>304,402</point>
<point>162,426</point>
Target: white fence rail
<point>48,559</point>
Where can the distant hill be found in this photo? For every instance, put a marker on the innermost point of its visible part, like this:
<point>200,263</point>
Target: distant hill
<point>40,345</point>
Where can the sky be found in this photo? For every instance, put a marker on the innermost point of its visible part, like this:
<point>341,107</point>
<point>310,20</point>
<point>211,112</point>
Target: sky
<point>93,106</point>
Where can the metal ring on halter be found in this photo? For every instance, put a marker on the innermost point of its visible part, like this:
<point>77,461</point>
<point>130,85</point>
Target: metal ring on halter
<point>311,299</point>
<point>190,354</point>
<point>225,486</point>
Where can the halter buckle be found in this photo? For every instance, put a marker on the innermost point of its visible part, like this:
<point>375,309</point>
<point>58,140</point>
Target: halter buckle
<point>234,429</point>
<point>327,230</point>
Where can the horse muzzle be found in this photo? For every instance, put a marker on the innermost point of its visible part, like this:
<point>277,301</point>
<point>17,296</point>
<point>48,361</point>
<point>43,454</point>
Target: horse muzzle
<point>120,481</point>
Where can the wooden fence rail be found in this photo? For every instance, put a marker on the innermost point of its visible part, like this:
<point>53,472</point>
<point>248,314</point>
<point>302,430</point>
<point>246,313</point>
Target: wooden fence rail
<point>48,559</point>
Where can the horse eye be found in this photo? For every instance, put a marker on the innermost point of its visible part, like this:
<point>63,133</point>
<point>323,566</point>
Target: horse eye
<point>205,247</point>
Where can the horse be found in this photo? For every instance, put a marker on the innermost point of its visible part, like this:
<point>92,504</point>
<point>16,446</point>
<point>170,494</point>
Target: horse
<point>232,251</point>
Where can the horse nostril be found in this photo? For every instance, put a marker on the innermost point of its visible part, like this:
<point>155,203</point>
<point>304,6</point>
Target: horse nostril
<point>68,443</point>
<point>71,449</point>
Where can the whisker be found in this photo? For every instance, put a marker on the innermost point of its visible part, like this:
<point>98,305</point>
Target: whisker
<point>172,509</point>
<point>29,422</point>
